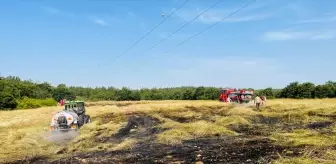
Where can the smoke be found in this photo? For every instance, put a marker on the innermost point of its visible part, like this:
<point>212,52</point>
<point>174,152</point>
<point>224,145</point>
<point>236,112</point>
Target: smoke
<point>60,137</point>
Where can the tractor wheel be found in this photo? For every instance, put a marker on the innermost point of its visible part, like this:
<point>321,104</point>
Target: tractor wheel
<point>81,120</point>
<point>87,119</point>
<point>77,128</point>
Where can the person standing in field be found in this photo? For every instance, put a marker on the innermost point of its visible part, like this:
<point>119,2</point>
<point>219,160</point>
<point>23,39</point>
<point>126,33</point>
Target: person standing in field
<point>257,101</point>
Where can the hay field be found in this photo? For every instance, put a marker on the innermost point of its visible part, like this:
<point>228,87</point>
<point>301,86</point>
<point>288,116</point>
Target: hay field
<point>284,131</point>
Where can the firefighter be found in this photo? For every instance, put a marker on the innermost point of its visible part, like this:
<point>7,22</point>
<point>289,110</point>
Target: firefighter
<point>257,101</point>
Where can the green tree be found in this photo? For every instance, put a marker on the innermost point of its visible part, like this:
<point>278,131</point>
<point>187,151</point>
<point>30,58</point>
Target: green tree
<point>124,94</point>
<point>188,93</point>
<point>268,92</point>
<point>324,91</point>
<point>199,93</point>
<point>306,90</point>
<point>211,93</point>
<point>62,92</point>
<point>332,86</point>
<point>8,94</point>
<point>290,91</point>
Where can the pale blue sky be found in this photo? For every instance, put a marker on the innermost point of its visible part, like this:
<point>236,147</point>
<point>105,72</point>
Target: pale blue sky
<point>268,44</point>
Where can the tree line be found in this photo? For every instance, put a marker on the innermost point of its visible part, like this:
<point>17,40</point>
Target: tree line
<point>15,93</point>
<point>306,90</point>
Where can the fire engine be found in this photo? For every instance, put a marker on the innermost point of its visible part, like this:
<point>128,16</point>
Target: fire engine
<point>234,95</point>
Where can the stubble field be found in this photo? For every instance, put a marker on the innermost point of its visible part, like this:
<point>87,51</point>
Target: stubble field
<point>283,131</point>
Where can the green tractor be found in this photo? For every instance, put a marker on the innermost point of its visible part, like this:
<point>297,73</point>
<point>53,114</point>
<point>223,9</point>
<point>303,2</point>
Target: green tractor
<point>79,108</point>
<point>72,117</point>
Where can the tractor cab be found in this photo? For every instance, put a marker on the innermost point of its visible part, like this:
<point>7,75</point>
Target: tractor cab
<point>76,106</point>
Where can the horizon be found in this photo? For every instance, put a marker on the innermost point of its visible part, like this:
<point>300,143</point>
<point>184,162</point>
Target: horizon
<point>77,43</point>
<point>93,87</point>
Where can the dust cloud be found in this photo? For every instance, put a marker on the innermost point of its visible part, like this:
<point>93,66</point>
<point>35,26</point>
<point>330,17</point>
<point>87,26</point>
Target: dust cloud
<point>60,137</point>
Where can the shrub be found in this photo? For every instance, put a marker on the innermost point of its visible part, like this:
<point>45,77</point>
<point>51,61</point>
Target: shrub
<point>28,103</point>
<point>48,102</point>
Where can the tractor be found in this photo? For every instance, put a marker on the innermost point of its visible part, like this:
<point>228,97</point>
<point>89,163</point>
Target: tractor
<point>234,95</point>
<point>72,117</point>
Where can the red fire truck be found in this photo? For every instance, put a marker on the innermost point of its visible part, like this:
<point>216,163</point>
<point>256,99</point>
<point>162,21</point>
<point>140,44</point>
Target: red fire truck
<point>234,95</point>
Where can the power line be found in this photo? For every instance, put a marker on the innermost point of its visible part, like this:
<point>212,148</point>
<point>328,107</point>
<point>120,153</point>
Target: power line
<point>180,27</point>
<point>135,43</point>
<point>214,24</point>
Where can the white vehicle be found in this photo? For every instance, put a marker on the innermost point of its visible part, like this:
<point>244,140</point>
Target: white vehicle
<point>71,118</point>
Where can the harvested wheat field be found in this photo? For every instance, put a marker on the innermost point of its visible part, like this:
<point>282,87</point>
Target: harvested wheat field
<point>284,131</point>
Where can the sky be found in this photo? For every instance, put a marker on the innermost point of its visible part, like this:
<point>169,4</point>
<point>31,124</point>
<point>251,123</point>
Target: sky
<point>270,43</point>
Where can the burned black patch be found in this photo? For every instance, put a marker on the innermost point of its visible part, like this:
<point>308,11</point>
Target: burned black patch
<point>255,130</point>
<point>114,117</point>
<point>207,150</point>
<point>144,125</point>
<point>266,120</point>
<point>330,116</point>
<point>36,159</point>
<point>290,127</point>
<point>138,126</point>
<point>182,119</point>
<point>318,125</point>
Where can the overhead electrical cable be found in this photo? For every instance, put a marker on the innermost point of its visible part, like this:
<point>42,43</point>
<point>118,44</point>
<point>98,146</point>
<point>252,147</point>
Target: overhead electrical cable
<point>213,24</point>
<point>181,27</point>
<point>135,43</point>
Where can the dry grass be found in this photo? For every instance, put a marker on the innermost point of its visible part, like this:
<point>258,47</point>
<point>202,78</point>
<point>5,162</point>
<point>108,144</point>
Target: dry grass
<point>23,132</point>
<point>126,144</point>
<point>232,120</point>
<point>305,137</point>
<point>85,142</point>
<point>327,157</point>
<point>179,132</point>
